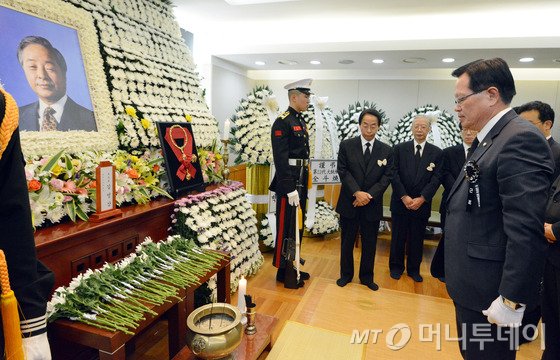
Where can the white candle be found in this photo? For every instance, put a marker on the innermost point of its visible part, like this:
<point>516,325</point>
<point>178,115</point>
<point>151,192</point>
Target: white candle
<point>241,291</point>
<point>227,127</point>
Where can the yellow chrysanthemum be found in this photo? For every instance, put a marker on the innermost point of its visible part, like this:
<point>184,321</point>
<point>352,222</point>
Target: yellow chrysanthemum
<point>133,158</point>
<point>188,118</point>
<point>131,111</point>
<point>145,123</point>
<point>56,170</point>
<point>218,156</point>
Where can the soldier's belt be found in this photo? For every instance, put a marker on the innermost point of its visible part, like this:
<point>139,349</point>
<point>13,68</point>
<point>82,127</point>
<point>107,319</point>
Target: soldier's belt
<point>298,162</point>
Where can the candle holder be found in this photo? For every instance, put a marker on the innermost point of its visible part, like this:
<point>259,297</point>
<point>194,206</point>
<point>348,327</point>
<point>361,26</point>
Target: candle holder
<point>251,314</point>
<point>225,155</point>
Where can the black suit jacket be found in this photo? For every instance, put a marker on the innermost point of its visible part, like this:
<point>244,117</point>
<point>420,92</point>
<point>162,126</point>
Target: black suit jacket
<point>499,247</point>
<point>356,175</point>
<point>453,161</point>
<point>555,147</point>
<point>552,216</point>
<point>74,117</point>
<point>424,183</point>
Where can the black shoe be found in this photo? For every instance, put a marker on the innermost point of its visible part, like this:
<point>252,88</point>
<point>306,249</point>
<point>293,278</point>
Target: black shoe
<point>304,275</point>
<point>416,277</point>
<point>395,275</point>
<point>342,282</point>
<point>373,286</point>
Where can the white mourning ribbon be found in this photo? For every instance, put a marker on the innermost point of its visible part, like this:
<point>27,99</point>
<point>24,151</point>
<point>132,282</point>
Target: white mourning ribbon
<point>318,104</point>
<point>436,134</point>
<point>272,223</point>
<point>271,105</point>
<point>331,124</point>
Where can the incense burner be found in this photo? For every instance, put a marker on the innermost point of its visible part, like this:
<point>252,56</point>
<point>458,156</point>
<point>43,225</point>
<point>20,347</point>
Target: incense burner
<point>214,331</point>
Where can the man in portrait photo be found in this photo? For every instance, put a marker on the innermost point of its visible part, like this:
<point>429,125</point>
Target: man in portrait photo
<point>45,70</point>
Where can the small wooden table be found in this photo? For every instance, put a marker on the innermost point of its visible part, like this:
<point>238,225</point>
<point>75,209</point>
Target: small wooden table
<point>251,347</point>
<point>111,345</point>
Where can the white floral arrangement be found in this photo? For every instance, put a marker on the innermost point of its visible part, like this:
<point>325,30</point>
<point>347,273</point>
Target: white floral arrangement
<point>347,122</point>
<point>326,149</point>
<point>326,222</point>
<point>445,130</point>
<point>326,219</point>
<point>115,297</point>
<point>251,133</point>
<point>222,219</point>
<point>149,67</point>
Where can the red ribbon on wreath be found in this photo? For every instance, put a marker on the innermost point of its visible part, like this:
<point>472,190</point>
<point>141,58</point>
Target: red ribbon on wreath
<point>183,153</point>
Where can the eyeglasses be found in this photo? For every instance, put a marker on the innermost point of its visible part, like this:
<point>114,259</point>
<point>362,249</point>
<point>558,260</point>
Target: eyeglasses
<point>460,100</point>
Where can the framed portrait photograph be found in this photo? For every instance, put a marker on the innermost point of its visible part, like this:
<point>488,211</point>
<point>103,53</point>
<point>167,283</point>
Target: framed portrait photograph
<point>181,157</point>
<point>52,67</point>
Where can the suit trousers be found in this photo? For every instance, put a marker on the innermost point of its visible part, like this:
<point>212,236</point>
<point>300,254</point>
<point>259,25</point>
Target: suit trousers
<point>407,233</point>
<point>551,311</point>
<point>480,340</point>
<point>368,231</point>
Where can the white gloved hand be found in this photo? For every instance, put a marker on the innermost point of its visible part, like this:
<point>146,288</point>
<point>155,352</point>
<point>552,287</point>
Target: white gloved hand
<point>293,198</point>
<point>37,347</point>
<point>502,315</point>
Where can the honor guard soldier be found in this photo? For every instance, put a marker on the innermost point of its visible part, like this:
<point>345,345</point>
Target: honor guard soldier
<point>30,280</point>
<point>290,147</point>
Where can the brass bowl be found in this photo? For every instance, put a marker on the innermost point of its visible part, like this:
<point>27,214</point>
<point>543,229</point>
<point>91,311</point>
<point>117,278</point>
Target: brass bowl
<point>214,330</point>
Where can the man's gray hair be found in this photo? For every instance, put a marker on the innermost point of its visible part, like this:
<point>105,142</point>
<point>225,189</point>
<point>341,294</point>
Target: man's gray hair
<point>29,40</point>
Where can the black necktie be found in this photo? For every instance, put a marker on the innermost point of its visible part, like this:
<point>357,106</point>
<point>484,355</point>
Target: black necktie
<point>367,153</point>
<point>472,148</point>
<point>417,157</point>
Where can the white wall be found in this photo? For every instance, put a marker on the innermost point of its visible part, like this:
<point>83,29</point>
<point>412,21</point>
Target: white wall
<point>395,97</point>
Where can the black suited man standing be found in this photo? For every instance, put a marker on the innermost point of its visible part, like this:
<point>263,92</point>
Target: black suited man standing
<point>290,148</point>
<point>416,180</point>
<point>365,167</point>
<point>494,236</point>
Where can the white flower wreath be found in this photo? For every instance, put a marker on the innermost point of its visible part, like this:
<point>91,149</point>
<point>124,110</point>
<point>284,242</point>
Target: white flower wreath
<point>445,129</point>
<point>347,122</point>
<point>251,134</point>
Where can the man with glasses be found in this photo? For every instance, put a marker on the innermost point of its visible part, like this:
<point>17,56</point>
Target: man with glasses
<point>494,236</point>
<point>454,158</point>
<point>416,180</point>
<point>542,116</point>
<point>365,166</point>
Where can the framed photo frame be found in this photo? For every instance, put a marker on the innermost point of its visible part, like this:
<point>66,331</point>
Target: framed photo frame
<point>181,157</point>
<point>61,40</point>
<point>105,197</point>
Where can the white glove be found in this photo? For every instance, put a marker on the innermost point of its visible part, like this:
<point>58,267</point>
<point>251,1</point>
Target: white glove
<point>293,198</point>
<point>37,347</point>
<point>500,314</point>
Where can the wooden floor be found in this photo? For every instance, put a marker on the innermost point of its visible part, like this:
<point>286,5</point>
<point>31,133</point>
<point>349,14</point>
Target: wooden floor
<point>323,304</point>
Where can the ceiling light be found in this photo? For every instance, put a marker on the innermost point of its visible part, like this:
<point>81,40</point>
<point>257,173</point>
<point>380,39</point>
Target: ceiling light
<point>287,62</point>
<point>448,60</point>
<point>315,62</point>
<point>556,60</point>
<point>526,59</point>
<point>346,62</point>
<point>260,63</point>
<point>377,61</point>
<point>413,60</point>
<point>253,2</point>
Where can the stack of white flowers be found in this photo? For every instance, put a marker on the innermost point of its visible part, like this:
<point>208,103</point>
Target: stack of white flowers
<point>251,134</point>
<point>347,122</point>
<point>149,67</point>
<point>448,127</point>
<point>222,219</point>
